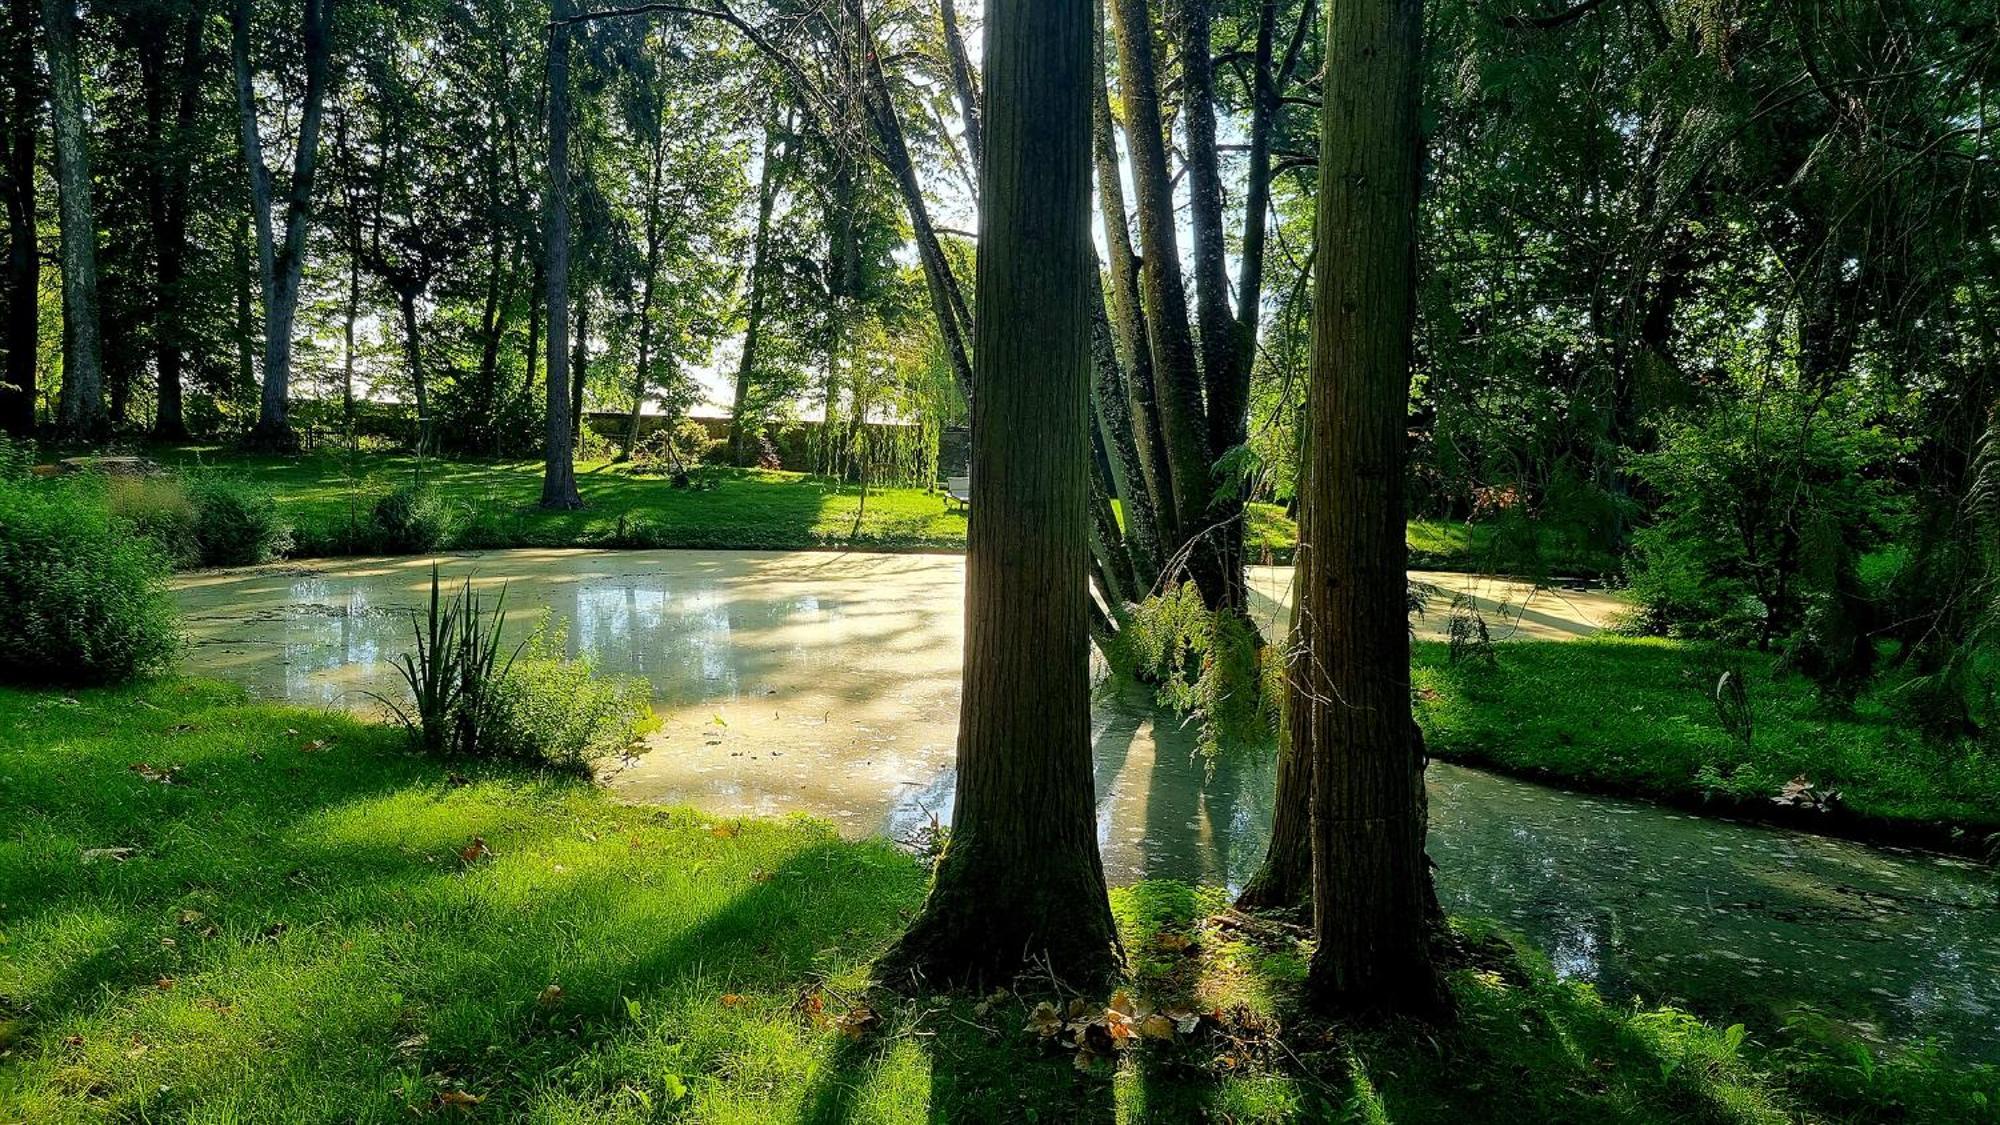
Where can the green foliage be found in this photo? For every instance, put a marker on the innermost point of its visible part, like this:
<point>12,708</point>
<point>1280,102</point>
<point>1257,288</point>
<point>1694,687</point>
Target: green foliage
<point>158,508</point>
<point>236,522</point>
<point>413,519</point>
<point>82,597</point>
<point>454,673</point>
<point>675,449</point>
<point>1210,666</point>
<point>556,709</point>
<point>1759,496</point>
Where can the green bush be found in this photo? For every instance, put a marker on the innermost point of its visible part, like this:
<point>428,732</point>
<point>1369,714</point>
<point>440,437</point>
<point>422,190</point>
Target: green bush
<point>1764,502</point>
<point>412,519</point>
<point>159,509</point>
<point>1207,665</point>
<point>82,598</point>
<point>236,523</point>
<point>470,696</point>
<point>555,709</point>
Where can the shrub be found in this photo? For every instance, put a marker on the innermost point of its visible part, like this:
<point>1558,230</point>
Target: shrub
<point>236,523</point>
<point>159,509</point>
<point>556,710</point>
<point>534,703</point>
<point>1747,490</point>
<point>676,449</point>
<point>1204,664</point>
<point>82,598</point>
<point>412,519</point>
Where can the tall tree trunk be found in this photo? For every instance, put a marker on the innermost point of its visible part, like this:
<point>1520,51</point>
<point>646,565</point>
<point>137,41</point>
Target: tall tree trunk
<point>1226,380</point>
<point>962,81</point>
<point>20,315</point>
<point>1113,430</point>
<point>1021,883</point>
<point>559,470</point>
<point>1371,880</point>
<point>413,351</point>
<point>173,180</point>
<point>746,366</point>
<point>579,366</point>
<point>946,298</point>
<point>281,267</point>
<point>642,377</point>
<point>81,414</point>
<point>1285,878</point>
<point>1176,375</point>
<point>1127,313</point>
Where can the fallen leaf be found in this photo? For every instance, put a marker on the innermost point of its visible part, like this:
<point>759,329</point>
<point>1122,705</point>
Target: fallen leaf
<point>315,746</point>
<point>116,855</point>
<point>146,772</point>
<point>726,830</point>
<point>1173,943</point>
<point>1156,1026</point>
<point>1044,1020</point>
<point>732,999</point>
<point>164,984</point>
<point>550,996</point>
<point>458,1099</point>
<point>858,1022</point>
<point>475,851</point>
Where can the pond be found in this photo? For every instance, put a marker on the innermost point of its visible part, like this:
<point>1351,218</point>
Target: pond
<point>827,684</point>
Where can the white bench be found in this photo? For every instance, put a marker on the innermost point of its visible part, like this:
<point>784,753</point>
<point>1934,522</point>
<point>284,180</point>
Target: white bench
<point>958,490</point>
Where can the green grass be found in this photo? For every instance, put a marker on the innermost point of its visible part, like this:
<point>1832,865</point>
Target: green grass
<point>1503,548</point>
<point>296,934</point>
<point>1638,715</point>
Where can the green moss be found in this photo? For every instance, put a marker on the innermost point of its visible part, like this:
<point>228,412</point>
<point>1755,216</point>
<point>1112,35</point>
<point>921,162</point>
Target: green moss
<point>291,930</point>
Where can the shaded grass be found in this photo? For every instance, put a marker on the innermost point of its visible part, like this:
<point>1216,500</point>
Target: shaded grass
<point>296,934</point>
<point>1516,547</point>
<point>1638,715</point>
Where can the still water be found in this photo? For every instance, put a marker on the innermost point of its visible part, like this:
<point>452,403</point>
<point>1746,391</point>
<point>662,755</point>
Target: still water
<point>827,684</point>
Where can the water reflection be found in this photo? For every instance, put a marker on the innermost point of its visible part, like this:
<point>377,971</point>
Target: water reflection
<point>827,684</point>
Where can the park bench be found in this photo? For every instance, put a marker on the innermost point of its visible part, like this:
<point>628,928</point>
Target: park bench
<point>958,490</point>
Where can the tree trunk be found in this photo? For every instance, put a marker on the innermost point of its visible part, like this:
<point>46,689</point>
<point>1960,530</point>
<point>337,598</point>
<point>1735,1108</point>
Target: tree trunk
<point>173,179</point>
<point>642,377</point>
<point>1021,883</point>
<point>961,81</point>
<point>746,367</point>
<point>281,267</point>
<point>20,318</point>
<point>1371,880</point>
<point>1285,878</point>
<point>579,366</point>
<point>559,470</point>
<point>406,300</point>
<point>81,416</point>
<point>1140,539</point>
<point>1127,314</point>
<point>1176,376</point>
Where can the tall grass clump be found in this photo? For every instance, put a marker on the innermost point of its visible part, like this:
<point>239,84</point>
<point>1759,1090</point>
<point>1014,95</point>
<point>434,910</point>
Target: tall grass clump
<point>236,523</point>
<point>411,519</point>
<point>83,598</point>
<point>470,696</point>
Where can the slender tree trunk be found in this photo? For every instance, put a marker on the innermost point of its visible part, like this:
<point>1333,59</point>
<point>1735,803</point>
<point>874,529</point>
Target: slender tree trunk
<point>962,81</point>
<point>1127,313</point>
<point>559,472</point>
<point>1021,883</point>
<point>413,351</point>
<point>1226,379</point>
<point>1285,878</point>
<point>281,267</point>
<point>1372,883</point>
<point>175,174</point>
<point>579,366</point>
<point>746,366</point>
<point>81,415</point>
<point>1113,430</point>
<point>642,378</point>
<point>946,297</point>
<point>20,316</point>
<point>1176,375</point>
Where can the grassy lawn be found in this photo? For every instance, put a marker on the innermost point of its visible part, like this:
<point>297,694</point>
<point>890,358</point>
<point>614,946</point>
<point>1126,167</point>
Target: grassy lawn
<point>1487,548</point>
<point>212,910</point>
<point>1638,715</point>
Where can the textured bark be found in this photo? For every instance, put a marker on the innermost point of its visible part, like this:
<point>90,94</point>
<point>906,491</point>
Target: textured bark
<point>1021,883</point>
<point>413,354</point>
<point>1140,539</point>
<point>20,313</point>
<point>81,413</point>
<point>281,267</point>
<point>167,205</point>
<point>1176,374</point>
<point>1127,313</point>
<point>1284,879</point>
<point>559,470</point>
<point>961,81</point>
<point>1371,881</point>
<point>753,327</point>
<point>579,366</point>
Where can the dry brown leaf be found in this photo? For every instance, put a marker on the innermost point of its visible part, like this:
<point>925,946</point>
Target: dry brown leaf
<point>858,1021</point>
<point>726,830</point>
<point>475,851</point>
<point>1156,1026</point>
<point>1044,1020</point>
<point>550,996</point>
<point>732,999</point>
